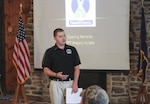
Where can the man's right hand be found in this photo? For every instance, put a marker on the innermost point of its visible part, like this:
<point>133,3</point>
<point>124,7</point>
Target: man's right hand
<point>62,76</point>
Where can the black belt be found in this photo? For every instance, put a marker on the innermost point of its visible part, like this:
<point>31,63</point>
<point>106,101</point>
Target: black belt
<point>58,79</point>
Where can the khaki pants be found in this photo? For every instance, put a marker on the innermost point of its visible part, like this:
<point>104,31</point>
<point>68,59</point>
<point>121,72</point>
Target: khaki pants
<point>57,91</point>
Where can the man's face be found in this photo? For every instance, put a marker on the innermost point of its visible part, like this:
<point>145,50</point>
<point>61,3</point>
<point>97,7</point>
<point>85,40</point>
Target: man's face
<point>60,38</point>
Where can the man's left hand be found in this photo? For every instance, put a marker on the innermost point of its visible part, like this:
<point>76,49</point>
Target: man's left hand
<point>74,88</point>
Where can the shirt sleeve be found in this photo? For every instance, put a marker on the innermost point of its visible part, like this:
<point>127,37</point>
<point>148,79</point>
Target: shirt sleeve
<point>76,58</point>
<point>46,62</point>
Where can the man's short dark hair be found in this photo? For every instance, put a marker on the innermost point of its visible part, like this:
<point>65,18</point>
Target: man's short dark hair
<point>56,31</point>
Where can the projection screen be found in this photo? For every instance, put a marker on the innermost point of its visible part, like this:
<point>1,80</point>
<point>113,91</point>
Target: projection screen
<point>99,29</point>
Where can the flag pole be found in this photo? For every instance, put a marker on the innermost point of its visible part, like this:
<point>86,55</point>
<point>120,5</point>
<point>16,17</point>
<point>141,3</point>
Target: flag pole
<point>142,96</point>
<point>21,10</point>
<point>20,86</point>
<point>142,3</point>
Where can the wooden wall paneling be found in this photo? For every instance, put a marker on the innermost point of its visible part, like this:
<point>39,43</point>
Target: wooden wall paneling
<point>2,53</point>
<point>11,12</point>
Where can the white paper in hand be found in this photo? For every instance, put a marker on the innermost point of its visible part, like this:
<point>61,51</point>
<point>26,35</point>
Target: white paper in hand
<point>73,98</point>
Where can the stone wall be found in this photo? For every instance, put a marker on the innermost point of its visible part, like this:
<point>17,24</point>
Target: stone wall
<point>122,87</point>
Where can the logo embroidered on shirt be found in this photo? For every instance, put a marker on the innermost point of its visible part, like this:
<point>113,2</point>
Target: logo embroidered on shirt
<point>69,51</point>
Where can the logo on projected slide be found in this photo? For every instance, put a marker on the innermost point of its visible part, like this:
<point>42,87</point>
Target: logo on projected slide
<point>80,13</point>
<point>80,7</point>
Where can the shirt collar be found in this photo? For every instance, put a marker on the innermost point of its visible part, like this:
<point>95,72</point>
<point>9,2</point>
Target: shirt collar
<point>56,47</point>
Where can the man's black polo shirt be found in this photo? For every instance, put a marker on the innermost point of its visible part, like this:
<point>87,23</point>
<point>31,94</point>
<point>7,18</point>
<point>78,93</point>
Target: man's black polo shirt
<point>59,60</point>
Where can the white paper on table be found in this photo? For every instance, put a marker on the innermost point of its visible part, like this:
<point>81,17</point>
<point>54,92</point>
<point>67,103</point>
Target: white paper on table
<point>73,98</point>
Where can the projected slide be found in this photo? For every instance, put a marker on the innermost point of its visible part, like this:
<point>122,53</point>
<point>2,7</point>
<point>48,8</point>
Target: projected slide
<point>80,13</point>
<point>98,29</point>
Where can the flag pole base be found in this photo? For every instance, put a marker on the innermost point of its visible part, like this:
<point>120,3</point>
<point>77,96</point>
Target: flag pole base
<point>142,97</point>
<point>20,90</point>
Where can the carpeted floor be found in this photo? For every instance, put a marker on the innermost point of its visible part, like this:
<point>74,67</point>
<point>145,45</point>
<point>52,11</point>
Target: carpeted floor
<point>34,102</point>
<point>8,100</point>
<point>30,102</point>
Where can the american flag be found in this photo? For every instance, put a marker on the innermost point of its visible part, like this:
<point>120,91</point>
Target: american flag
<point>21,54</point>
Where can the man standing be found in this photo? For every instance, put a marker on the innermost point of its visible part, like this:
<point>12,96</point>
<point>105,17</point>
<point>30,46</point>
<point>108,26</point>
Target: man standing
<point>61,63</point>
